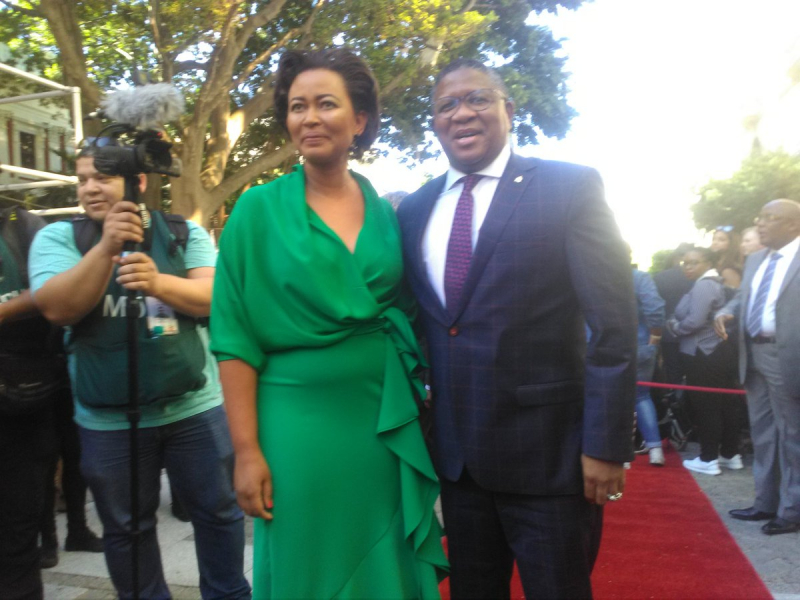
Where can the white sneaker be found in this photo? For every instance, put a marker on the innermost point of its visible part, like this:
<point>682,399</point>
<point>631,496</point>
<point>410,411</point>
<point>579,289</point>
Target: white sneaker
<point>657,457</point>
<point>700,466</point>
<point>734,462</point>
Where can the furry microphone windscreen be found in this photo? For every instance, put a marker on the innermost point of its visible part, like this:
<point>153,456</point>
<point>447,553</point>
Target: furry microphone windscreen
<point>145,107</point>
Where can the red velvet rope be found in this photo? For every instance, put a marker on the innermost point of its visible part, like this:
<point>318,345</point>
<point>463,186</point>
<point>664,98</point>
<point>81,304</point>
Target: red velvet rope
<point>693,388</point>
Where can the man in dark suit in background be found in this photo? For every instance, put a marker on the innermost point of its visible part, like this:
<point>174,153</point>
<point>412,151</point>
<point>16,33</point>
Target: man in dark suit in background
<point>672,285</point>
<point>768,310</point>
<point>531,426</point>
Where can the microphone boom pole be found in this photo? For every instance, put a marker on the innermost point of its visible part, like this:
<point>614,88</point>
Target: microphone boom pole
<point>134,413</point>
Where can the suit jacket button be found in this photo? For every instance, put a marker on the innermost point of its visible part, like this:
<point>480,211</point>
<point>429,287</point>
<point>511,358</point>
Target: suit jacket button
<point>453,331</point>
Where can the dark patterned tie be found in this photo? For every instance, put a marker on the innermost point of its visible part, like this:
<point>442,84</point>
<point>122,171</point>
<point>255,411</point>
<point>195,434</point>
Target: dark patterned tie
<point>459,248</point>
<point>760,301</point>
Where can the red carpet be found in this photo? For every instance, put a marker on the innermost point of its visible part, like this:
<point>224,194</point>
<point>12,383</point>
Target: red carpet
<point>665,541</point>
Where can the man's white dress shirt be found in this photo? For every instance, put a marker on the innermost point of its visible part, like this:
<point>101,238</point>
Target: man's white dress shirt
<point>437,233</point>
<point>787,253</point>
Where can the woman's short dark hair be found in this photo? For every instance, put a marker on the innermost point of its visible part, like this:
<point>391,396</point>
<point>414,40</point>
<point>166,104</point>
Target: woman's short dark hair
<point>358,79</point>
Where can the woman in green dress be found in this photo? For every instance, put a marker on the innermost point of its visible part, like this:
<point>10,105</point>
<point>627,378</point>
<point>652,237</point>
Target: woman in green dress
<point>318,360</point>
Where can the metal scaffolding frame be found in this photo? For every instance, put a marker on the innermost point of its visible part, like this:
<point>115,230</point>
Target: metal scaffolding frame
<point>49,179</point>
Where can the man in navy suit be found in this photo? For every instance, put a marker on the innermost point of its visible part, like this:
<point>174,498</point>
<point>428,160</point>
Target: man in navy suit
<point>531,425</point>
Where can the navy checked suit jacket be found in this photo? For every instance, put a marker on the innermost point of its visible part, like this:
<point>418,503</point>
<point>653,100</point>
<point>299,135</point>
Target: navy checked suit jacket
<point>518,394</point>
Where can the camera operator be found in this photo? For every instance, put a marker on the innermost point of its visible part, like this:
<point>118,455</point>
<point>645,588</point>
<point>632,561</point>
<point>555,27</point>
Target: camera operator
<point>32,379</point>
<point>183,425</point>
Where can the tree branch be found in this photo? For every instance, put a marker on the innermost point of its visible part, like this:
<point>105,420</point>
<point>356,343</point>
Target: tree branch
<point>248,70</point>
<point>159,31</point>
<point>392,85</point>
<point>63,24</point>
<point>260,102</point>
<point>261,18</point>
<point>243,176</point>
<point>160,35</point>
<point>216,85</point>
<point>304,30</point>
<point>190,65</point>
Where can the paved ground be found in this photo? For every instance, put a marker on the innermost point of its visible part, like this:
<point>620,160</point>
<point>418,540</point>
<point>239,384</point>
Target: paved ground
<point>775,558</point>
<point>83,576</point>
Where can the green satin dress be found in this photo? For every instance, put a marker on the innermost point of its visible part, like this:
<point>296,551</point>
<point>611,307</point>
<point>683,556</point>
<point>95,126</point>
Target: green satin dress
<point>354,486</point>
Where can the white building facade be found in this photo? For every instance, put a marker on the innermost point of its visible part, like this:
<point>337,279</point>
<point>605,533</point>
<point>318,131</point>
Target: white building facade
<point>33,134</point>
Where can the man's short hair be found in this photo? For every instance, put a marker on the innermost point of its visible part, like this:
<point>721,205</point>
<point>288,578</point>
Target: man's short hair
<point>678,253</point>
<point>476,65</point>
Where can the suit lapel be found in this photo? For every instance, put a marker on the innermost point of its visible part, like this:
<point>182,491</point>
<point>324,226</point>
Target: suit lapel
<point>510,188</point>
<point>794,267</point>
<point>426,295</point>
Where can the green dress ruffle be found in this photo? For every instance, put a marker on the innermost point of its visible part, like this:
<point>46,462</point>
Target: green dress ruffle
<point>327,331</point>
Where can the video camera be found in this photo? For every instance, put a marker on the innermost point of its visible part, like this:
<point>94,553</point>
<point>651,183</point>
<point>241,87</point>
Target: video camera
<point>139,112</point>
<point>148,153</point>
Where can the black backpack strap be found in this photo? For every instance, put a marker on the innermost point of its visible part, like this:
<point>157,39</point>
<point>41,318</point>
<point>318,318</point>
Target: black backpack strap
<point>86,231</point>
<point>179,229</point>
<point>19,228</point>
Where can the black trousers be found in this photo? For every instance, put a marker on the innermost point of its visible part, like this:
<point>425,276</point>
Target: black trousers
<point>554,540</point>
<point>671,359</point>
<point>717,417</point>
<point>68,447</point>
<point>26,451</point>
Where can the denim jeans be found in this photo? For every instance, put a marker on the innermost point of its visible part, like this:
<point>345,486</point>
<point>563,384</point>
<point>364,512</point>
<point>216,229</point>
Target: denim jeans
<point>198,455</point>
<point>646,418</point>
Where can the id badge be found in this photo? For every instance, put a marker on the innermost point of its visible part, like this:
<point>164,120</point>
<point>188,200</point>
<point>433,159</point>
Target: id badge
<point>160,318</point>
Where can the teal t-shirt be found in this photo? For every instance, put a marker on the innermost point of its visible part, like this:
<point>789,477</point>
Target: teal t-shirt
<point>53,251</point>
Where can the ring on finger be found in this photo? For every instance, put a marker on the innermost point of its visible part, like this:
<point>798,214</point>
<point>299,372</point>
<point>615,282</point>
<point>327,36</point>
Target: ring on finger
<point>614,497</point>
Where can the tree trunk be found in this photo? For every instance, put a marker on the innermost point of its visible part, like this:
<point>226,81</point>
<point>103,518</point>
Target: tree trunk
<point>60,16</point>
<point>188,198</point>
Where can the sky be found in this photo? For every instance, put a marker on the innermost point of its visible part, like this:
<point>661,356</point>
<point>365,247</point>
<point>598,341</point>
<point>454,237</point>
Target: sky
<point>662,88</point>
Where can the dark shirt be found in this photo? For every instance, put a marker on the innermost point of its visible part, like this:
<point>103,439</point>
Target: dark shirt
<point>672,285</point>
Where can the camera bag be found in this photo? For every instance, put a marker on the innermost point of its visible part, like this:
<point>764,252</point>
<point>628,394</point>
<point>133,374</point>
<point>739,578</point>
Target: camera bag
<point>32,366</point>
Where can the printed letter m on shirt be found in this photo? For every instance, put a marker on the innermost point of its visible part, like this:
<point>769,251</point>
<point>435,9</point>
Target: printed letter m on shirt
<point>114,310</point>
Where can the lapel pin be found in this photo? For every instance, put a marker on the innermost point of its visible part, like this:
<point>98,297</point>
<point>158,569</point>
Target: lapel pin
<point>518,179</point>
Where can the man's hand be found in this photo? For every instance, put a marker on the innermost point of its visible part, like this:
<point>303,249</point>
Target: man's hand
<point>601,478</point>
<point>122,224</point>
<point>719,325</point>
<point>138,271</point>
